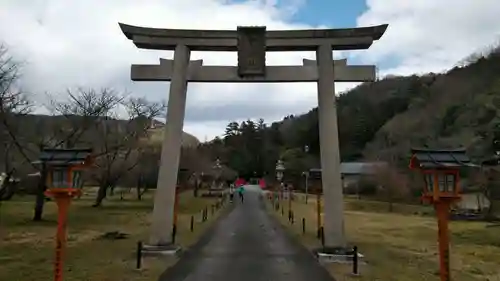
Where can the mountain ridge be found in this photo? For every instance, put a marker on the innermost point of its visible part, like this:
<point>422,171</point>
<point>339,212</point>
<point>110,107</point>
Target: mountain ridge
<point>382,120</point>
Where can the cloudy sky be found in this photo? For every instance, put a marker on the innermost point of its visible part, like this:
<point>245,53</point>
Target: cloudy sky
<point>78,43</point>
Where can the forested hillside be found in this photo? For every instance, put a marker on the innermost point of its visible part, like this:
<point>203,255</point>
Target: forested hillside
<point>381,121</point>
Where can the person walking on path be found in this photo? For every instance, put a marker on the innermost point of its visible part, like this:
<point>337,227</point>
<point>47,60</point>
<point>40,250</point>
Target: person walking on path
<point>231,192</point>
<point>241,190</point>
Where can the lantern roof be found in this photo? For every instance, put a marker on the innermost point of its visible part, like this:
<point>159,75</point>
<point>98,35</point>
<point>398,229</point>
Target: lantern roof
<point>439,158</point>
<point>66,156</point>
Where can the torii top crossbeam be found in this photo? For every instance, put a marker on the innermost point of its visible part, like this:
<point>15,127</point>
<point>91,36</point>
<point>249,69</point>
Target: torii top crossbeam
<point>252,43</point>
<point>276,40</point>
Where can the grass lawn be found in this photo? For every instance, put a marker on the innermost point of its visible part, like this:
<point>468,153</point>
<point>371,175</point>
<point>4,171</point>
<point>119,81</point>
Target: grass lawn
<point>402,246</point>
<point>27,247</point>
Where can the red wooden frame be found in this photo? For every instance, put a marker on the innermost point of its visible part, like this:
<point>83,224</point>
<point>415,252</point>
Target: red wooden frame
<point>436,194</point>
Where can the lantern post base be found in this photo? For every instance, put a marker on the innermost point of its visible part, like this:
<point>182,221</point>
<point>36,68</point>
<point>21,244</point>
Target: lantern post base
<point>336,254</point>
<point>442,213</point>
<point>161,250</point>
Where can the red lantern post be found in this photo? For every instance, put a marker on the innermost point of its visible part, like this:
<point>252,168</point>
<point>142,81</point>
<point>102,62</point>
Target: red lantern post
<point>315,176</point>
<point>63,200</point>
<point>64,182</point>
<point>176,205</point>
<point>280,170</point>
<point>440,169</point>
<point>318,209</point>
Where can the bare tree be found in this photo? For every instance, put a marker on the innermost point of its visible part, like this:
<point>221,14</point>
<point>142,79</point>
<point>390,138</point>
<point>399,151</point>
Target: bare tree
<point>117,141</point>
<point>69,126</point>
<point>488,179</point>
<point>196,162</point>
<point>78,114</point>
<point>12,102</point>
<point>392,185</point>
<point>147,172</point>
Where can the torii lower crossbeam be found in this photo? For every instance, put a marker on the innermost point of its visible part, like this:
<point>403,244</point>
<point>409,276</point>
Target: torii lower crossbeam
<point>197,72</point>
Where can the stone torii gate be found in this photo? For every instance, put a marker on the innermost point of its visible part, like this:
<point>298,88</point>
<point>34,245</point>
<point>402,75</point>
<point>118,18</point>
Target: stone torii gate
<point>251,43</point>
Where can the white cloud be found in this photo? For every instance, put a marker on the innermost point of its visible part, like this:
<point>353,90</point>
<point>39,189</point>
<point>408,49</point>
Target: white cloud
<point>429,35</point>
<point>78,43</point>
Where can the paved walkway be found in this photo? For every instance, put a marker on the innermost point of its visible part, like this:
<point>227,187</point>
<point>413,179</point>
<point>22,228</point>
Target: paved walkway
<point>247,245</point>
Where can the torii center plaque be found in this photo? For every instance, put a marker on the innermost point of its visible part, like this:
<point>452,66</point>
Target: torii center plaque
<point>252,43</point>
<point>251,51</point>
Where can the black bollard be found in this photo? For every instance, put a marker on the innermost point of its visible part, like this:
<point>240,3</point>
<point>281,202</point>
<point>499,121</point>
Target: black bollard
<point>322,235</point>
<point>174,233</point>
<point>355,260</point>
<point>292,217</point>
<point>282,212</point>
<point>191,226</point>
<point>139,255</point>
<point>303,226</point>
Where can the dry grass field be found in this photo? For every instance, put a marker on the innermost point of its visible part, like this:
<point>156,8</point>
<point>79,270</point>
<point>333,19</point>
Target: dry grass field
<point>27,247</point>
<point>402,246</point>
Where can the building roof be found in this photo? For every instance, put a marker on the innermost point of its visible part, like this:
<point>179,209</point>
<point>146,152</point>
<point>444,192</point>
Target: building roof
<point>356,168</point>
<point>64,156</point>
<point>439,158</point>
<point>360,168</point>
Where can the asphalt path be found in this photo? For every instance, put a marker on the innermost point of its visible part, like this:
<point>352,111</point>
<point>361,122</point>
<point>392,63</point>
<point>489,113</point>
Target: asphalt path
<point>247,244</point>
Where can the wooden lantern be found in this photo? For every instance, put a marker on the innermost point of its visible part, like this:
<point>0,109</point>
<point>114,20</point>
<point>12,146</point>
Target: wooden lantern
<point>441,171</point>
<point>280,170</point>
<point>315,178</point>
<point>63,172</point>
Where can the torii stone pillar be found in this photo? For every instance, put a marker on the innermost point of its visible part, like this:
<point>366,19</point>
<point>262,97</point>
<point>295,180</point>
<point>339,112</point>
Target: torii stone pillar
<point>163,212</point>
<point>252,44</point>
<point>329,151</point>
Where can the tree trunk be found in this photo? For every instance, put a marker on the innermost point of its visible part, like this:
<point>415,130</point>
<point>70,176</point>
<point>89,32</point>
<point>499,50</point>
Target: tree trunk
<point>491,209</point>
<point>195,190</point>
<point>101,194</point>
<point>139,193</point>
<point>40,195</point>
<point>138,188</point>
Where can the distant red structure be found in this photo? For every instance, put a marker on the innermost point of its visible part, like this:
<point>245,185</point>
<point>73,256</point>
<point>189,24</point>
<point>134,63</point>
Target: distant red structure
<point>240,182</point>
<point>262,183</point>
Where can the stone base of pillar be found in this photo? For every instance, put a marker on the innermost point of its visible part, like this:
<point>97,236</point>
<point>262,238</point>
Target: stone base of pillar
<point>336,255</point>
<point>161,250</point>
